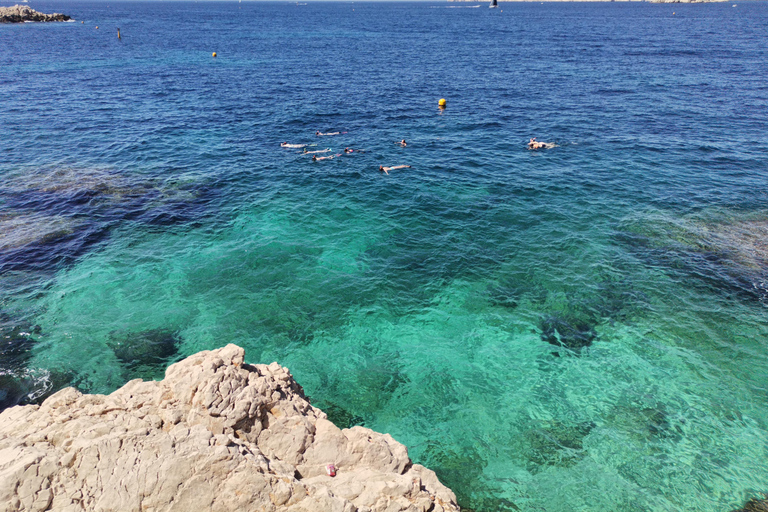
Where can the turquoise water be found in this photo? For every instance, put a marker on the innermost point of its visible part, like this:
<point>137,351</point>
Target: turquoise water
<point>581,328</point>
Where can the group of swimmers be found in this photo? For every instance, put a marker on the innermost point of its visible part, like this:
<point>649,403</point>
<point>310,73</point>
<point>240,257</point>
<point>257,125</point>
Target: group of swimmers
<point>316,158</point>
<point>532,144</point>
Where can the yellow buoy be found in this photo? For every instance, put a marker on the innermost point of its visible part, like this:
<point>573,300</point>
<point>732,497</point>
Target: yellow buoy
<point>214,54</point>
<point>441,103</point>
<point>97,27</point>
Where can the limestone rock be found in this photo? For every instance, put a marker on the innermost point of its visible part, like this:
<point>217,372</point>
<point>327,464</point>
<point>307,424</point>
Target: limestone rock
<point>215,435</point>
<point>22,13</point>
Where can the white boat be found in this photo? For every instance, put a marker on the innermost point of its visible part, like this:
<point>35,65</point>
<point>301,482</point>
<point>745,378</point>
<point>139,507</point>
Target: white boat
<point>493,4</point>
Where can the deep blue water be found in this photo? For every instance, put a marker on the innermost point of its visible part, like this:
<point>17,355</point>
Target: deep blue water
<point>578,328</point>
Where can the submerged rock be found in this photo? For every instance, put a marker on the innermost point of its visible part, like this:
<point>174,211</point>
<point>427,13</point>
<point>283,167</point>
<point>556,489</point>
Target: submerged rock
<point>725,250</point>
<point>18,230</point>
<point>463,469</point>
<point>556,444</point>
<point>147,348</point>
<point>22,13</point>
<point>215,434</point>
<point>755,505</point>
<point>51,217</point>
<point>569,332</point>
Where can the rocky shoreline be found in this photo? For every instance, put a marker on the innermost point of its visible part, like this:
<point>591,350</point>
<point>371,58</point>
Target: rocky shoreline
<point>22,13</point>
<point>216,434</point>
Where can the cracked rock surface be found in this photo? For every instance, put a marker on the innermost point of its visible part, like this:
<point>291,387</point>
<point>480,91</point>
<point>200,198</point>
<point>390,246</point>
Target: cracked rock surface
<point>214,435</point>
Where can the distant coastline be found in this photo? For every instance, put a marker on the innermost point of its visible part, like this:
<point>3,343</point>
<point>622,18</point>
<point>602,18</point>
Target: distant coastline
<point>22,13</point>
<point>635,1</point>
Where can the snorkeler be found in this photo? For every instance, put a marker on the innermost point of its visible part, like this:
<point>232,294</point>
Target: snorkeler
<point>329,133</point>
<point>315,158</point>
<point>386,170</point>
<point>286,145</point>
<point>534,144</point>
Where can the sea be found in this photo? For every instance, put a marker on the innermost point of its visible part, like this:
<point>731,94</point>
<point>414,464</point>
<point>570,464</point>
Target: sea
<point>577,328</point>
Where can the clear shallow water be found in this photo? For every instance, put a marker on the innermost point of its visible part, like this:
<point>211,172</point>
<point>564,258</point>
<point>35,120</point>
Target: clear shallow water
<point>582,328</point>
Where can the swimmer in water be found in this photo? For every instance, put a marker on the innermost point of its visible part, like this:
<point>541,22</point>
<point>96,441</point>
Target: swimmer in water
<point>386,170</point>
<point>534,144</point>
<point>286,145</point>
<point>402,143</point>
<point>327,134</point>
<point>315,158</point>
<point>317,151</point>
<point>350,150</point>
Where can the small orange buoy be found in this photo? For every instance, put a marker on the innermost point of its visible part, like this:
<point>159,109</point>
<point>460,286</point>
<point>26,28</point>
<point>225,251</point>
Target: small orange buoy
<point>97,27</point>
<point>214,54</point>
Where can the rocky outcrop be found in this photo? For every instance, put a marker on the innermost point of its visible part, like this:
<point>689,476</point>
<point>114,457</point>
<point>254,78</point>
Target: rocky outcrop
<point>22,13</point>
<point>215,435</point>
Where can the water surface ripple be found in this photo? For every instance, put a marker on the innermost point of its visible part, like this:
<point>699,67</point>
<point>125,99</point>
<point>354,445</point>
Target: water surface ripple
<point>581,328</point>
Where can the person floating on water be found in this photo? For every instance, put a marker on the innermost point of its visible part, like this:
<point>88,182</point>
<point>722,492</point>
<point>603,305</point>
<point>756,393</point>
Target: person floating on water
<point>326,150</point>
<point>534,144</point>
<point>329,133</point>
<point>315,158</point>
<point>286,145</point>
<point>386,170</point>
<point>402,143</point>
<point>350,150</point>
